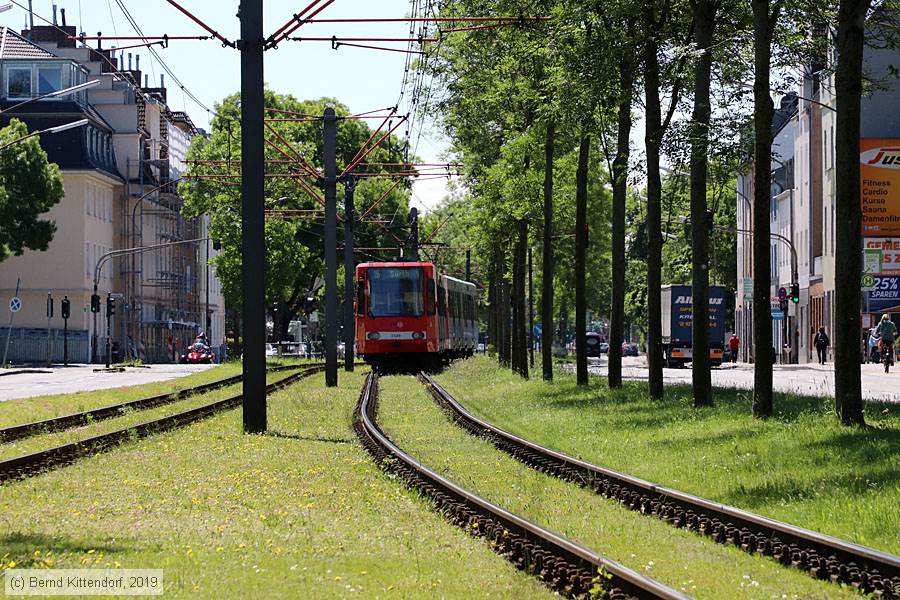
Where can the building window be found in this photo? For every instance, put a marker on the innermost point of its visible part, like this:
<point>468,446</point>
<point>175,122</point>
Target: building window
<point>18,82</point>
<point>49,80</point>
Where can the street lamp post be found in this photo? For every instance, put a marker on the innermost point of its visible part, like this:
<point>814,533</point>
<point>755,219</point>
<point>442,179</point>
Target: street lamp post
<point>57,129</point>
<point>55,94</point>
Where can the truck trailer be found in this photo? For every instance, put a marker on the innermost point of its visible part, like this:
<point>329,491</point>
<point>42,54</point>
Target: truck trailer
<point>677,324</point>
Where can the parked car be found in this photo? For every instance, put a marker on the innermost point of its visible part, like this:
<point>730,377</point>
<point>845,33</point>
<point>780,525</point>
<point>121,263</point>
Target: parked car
<point>594,344</point>
<point>604,348</point>
<point>629,349</point>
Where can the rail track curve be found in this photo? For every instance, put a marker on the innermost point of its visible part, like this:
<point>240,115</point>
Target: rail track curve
<point>566,566</point>
<point>822,556</point>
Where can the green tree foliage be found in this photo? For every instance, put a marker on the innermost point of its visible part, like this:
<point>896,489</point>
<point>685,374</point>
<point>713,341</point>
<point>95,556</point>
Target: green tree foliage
<point>294,241</point>
<point>29,187</point>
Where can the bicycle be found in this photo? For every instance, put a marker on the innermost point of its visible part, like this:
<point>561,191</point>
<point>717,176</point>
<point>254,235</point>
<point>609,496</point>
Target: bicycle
<point>887,354</point>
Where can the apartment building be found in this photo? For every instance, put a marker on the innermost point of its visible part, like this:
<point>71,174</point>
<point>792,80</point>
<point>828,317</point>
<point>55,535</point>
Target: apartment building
<point>120,174</point>
<point>803,209</point>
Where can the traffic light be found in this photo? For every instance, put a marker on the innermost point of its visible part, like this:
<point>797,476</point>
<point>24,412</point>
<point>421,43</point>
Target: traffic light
<point>110,306</point>
<point>710,221</point>
<point>795,293</point>
<point>783,305</point>
<point>95,303</point>
<point>66,308</point>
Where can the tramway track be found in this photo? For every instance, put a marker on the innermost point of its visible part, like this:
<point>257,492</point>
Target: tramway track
<point>38,462</point>
<point>565,566</point>
<point>822,556</point>
<point>80,419</point>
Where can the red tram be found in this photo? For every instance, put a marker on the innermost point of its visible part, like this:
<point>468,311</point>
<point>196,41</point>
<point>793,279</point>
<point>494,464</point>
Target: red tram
<point>408,313</point>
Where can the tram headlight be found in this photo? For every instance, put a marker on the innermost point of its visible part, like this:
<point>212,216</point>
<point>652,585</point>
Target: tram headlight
<point>418,335</point>
<point>374,335</point>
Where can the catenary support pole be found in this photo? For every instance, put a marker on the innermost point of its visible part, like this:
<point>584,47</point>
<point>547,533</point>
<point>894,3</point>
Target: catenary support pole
<point>253,215</point>
<point>331,300</point>
<point>349,272</point>
<point>468,264</point>
<point>414,233</point>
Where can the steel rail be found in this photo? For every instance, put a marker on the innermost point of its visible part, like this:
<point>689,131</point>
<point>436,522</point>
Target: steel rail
<point>564,565</point>
<point>822,556</point>
<point>79,419</point>
<point>27,465</point>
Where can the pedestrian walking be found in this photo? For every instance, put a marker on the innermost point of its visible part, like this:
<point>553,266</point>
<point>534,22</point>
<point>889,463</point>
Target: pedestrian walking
<point>821,342</point>
<point>734,343</point>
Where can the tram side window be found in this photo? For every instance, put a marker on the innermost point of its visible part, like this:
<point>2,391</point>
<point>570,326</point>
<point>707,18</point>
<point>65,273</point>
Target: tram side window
<point>429,296</point>
<point>361,297</point>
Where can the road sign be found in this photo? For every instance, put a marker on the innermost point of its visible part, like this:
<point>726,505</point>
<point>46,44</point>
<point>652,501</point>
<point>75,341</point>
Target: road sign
<point>782,294</point>
<point>15,304</point>
<point>778,315</point>
<point>868,282</point>
<point>872,260</point>
<point>748,288</point>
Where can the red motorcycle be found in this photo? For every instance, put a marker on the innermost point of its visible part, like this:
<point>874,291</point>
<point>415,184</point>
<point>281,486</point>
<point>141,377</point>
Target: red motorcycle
<point>198,354</point>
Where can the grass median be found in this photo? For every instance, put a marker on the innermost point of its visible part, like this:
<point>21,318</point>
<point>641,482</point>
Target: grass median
<point>301,512</point>
<point>800,466</point>
<point>697,566</point>
<point>37,408</point>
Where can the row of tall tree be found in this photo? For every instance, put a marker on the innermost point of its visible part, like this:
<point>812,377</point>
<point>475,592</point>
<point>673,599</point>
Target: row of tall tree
<point>580,86</point>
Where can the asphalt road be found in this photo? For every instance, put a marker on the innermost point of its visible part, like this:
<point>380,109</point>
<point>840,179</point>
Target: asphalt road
<point>809,380</point>
<point>83,378</point>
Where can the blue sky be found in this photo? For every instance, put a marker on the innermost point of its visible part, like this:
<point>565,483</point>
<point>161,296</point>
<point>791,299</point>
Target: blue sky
<point>362,79</point>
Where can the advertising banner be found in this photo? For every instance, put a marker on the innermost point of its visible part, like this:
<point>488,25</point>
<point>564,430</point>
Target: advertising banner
<point>881,255</point>
<point>884,295</point>
<point>879,172</point>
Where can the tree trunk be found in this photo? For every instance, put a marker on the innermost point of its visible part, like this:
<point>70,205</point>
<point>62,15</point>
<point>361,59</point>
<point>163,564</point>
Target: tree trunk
<point>620,193</point>
<point>521,350</point>
<point>547,270</point>
<point>763,26</point>
<point>581,244</point>
<point>563,321</point>
<point>514,307</point>
<point>848,211</point>
<point>704,26</point>
<point>653,141</point>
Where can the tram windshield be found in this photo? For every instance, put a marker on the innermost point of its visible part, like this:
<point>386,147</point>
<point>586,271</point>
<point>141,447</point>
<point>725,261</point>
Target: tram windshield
<point>396,292</point>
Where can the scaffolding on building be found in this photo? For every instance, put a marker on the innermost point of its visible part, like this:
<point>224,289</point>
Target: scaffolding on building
<point>162,310</point>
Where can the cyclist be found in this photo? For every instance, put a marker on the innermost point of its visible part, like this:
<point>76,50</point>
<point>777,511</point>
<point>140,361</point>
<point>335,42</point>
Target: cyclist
<point>886,332</point>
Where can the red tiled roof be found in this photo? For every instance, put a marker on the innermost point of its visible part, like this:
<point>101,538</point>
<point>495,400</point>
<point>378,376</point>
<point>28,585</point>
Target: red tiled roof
<point>13,45</point>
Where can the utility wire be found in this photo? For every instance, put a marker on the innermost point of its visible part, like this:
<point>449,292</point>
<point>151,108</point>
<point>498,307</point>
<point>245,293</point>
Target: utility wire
<point>161,62</point>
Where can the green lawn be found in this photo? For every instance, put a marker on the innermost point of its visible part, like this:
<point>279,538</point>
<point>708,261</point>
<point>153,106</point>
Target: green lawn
<point>300,513</point>
<point>800,466</point>
<point>680,559</point>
